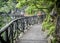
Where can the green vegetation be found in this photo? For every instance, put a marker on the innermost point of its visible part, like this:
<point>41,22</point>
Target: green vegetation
<point>5,7</point>
<point>48,25</point>
<point>33,6</point>
<point>4,20</point>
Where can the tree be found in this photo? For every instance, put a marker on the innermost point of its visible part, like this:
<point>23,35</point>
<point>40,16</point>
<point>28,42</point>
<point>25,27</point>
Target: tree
<point>5,7</point>
<point>35,5</point>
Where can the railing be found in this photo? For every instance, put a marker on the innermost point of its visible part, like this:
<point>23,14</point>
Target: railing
<point>10,33</point>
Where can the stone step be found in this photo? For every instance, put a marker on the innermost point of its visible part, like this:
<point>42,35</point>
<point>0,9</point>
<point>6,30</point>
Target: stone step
<point>33,35</point>
<point>32,41</point>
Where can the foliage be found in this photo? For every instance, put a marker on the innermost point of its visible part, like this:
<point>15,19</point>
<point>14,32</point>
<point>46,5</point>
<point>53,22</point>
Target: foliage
<point>48,25</point>
<point>5,7</point>
<point>1,21</point>
<point>54,40</point>
<point>3,2</point>
<point>4,20</point>
<point>35,5</point>
<point>32,7</point>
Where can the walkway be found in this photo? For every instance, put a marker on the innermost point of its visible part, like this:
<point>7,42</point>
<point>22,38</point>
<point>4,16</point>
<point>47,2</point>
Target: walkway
<point>33,35</point>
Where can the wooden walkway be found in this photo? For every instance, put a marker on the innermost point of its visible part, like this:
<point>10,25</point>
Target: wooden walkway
<point>34,35</point>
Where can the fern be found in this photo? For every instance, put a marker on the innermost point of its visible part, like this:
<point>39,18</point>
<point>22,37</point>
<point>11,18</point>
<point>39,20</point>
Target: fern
<point>48,25</point>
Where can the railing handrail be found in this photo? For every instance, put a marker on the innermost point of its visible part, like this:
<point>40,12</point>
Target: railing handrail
<point>12,30</point>
<point>7,25</point>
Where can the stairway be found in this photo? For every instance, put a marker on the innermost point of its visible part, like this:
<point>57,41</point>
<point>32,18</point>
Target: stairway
<point>32,41</point>
<point>34,35</point>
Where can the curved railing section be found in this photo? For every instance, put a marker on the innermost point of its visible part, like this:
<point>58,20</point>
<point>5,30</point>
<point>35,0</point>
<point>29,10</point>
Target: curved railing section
<point>10,33</point>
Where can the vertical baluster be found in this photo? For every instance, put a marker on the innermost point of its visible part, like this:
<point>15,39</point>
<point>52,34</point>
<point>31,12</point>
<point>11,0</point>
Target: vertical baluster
<point>27,22</point>
<point>30,20</point>
<point>7,38</point>
<point>23,24</point>
<point>37,20</point>
<point>14,31</point>
<point>11,30</point>
<point>17,28</point>
<point>2,40</point>
<point>33,19</point>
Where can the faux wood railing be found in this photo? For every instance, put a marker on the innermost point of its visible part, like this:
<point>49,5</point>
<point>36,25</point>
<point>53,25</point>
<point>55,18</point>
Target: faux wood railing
<point>11,31</point>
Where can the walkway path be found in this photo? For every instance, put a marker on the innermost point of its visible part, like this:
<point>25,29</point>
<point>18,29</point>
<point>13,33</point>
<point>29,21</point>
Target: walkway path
<point>33,35</point>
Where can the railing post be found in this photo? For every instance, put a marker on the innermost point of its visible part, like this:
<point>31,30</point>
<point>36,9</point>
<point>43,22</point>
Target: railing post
<point>11,30</point>
<point>1,40</point>
<point>7,38</point>
<point>17,28</point>
<point>36,19</point>
<point>23,24</point>
<point>39,19</point>
<point>27,22</point>
<point>32,20</point>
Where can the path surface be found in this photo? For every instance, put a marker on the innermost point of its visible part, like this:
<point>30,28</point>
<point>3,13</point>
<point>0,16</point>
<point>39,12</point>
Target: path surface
<point>33,35</point>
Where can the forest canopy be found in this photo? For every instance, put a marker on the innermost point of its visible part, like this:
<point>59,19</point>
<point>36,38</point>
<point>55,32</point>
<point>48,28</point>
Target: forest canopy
<point>35,5</point>
<point>32,5</point>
